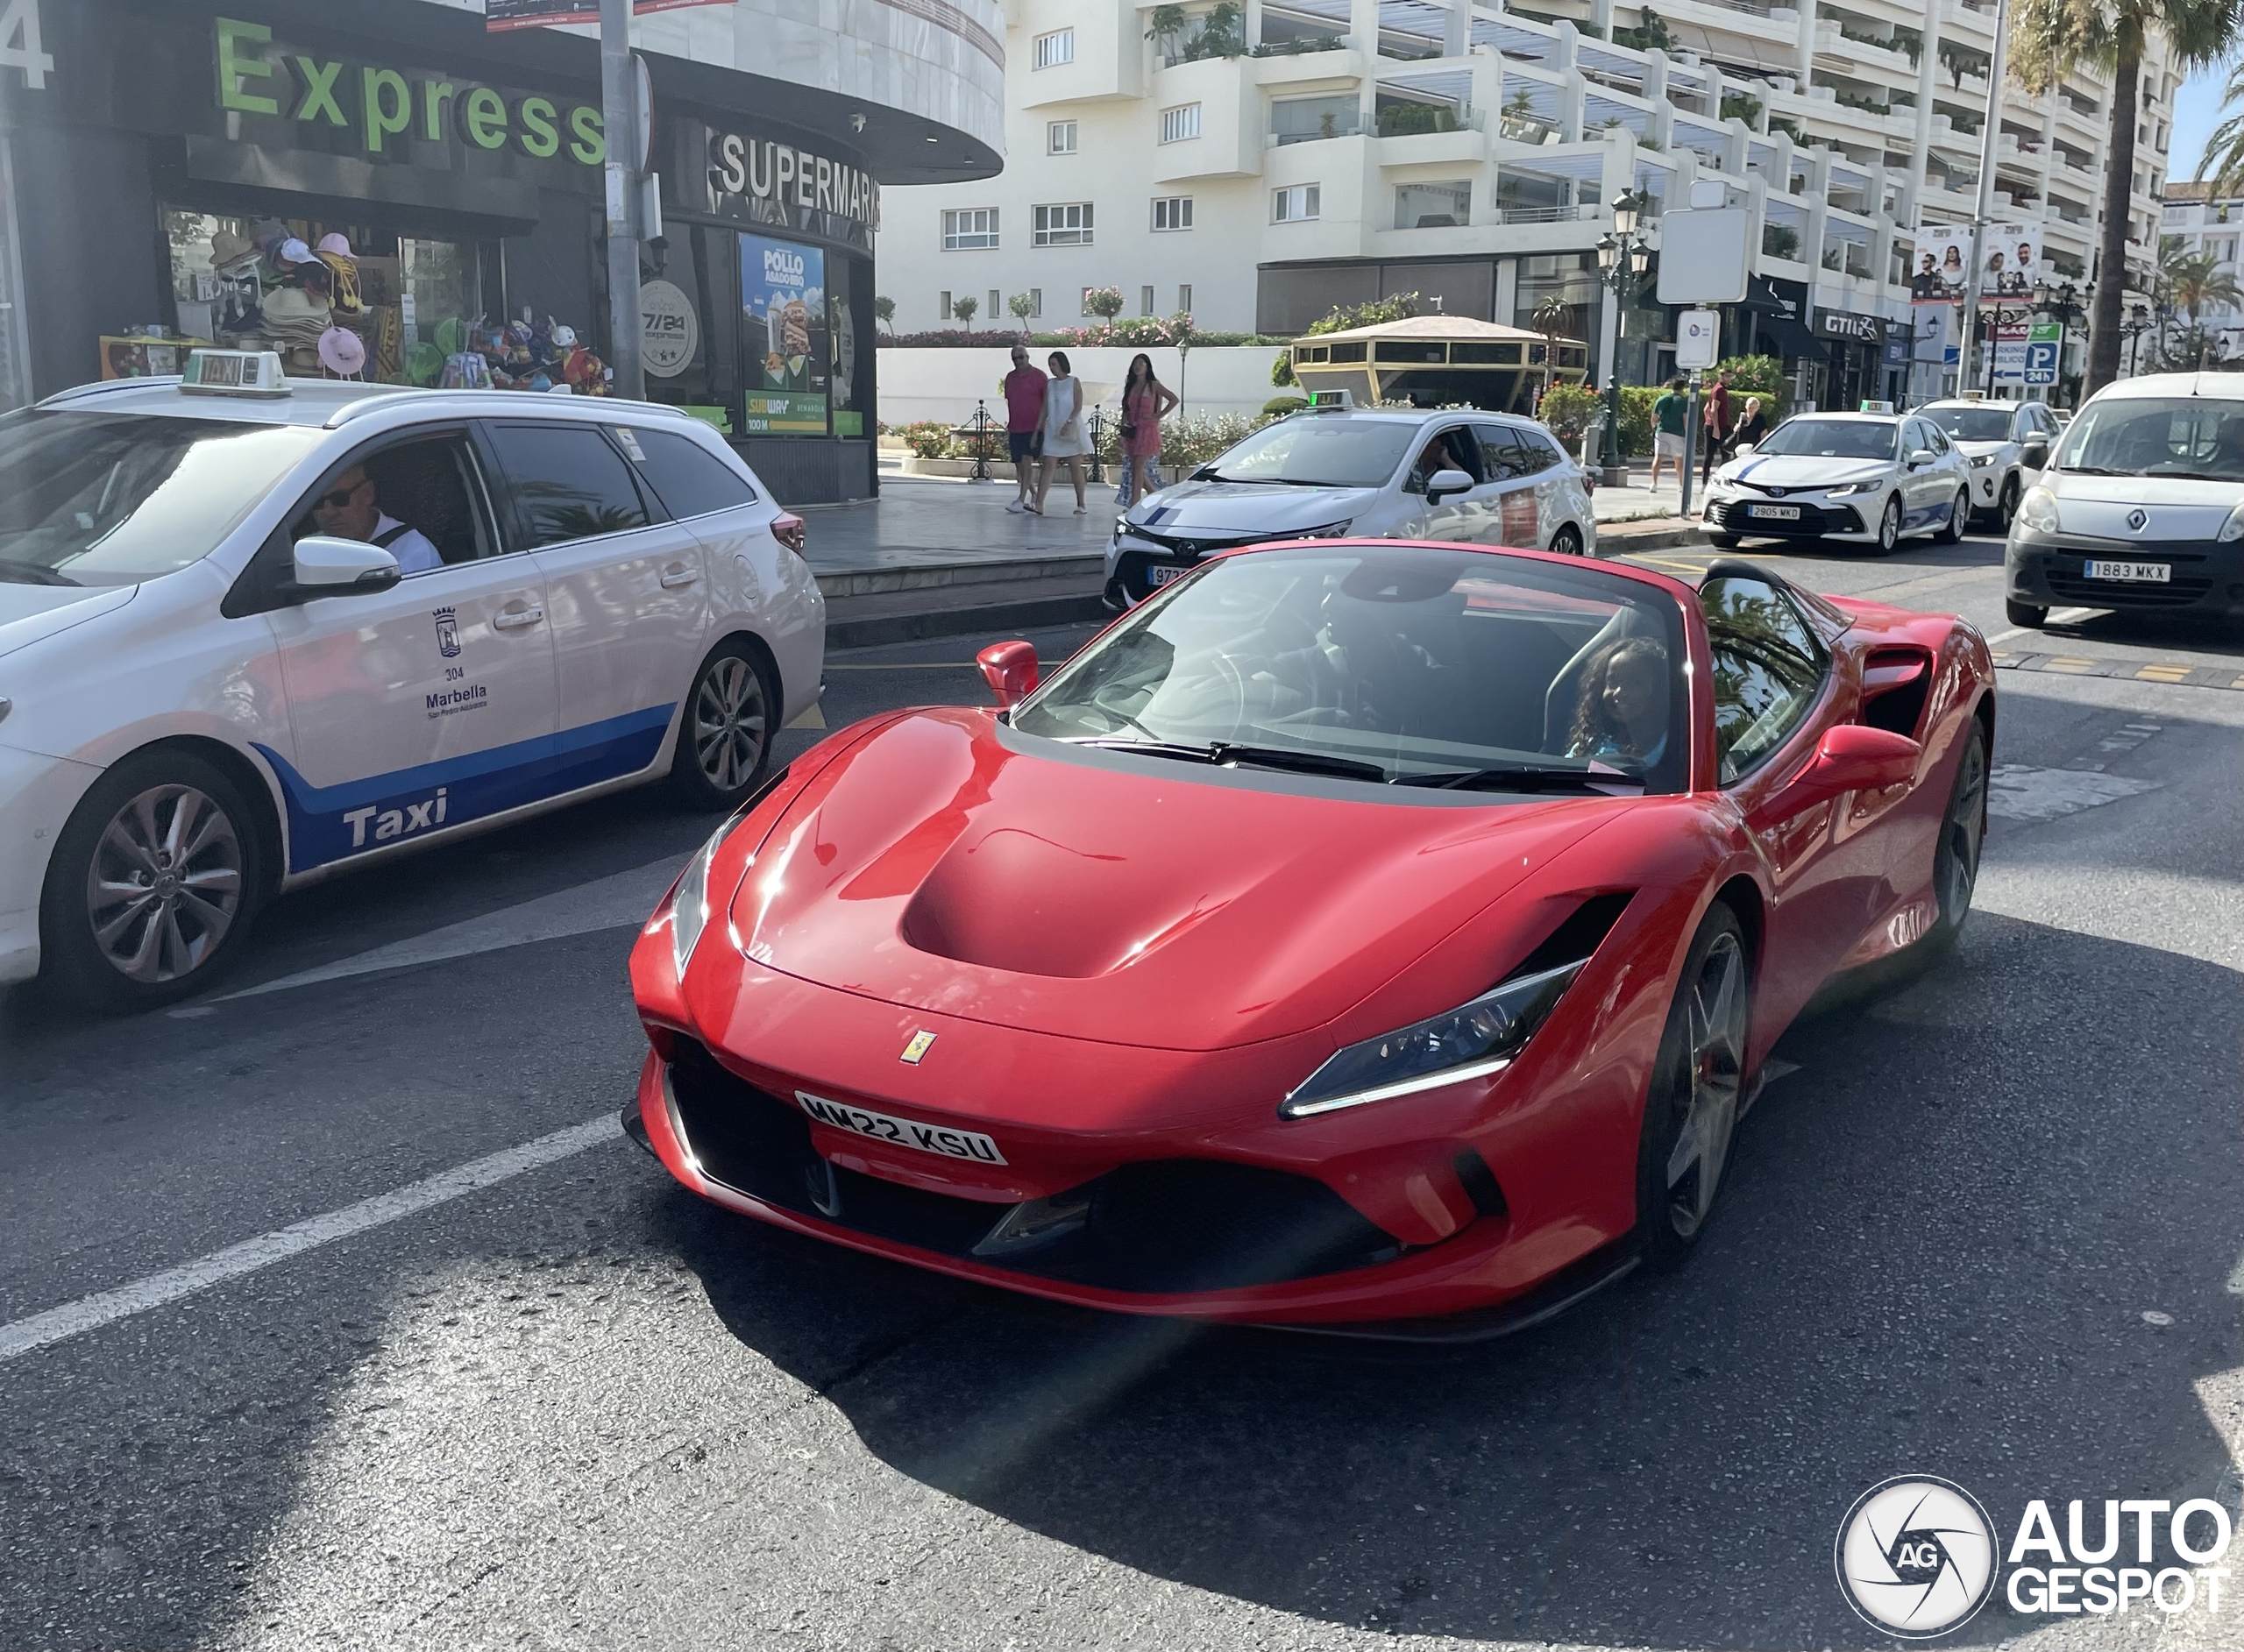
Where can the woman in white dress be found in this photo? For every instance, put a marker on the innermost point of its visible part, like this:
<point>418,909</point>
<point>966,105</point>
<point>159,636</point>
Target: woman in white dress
<point>1063,431</point>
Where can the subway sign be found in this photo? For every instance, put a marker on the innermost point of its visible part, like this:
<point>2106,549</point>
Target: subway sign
<point>383,112</point>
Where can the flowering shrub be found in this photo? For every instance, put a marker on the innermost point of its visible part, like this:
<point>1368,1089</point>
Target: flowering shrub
<point>1105,302</point>
<point>929,438</point>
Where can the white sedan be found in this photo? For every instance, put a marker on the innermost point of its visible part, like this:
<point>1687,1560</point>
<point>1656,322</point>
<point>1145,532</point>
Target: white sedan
<point>1858,478</point>
<point>257,633</point>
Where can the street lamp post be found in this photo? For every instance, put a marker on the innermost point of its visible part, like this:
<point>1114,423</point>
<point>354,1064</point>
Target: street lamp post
<point>1622,258</point>
<point>2063,301</point>
<point>2138,323</point>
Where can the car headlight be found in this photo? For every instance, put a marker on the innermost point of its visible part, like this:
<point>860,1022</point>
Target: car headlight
<point>2231,530</point>
<point>1845,488</point>
<point>1980,461</point>
<point>1330,530</point>
<point>2037,512</point>
<point>1470,1041</point>
<point>689,900</point>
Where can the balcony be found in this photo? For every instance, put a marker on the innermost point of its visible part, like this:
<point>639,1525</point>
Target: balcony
<point>1305,120</point>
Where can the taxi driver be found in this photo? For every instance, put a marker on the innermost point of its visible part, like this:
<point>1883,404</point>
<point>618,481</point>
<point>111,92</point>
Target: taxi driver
<point>349,510</point>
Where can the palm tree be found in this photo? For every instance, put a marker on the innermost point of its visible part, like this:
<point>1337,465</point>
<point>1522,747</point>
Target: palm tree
<point>2198,284</point>
<point>2052,37</point>
<point>1550,315</point>
<point>2223,165</point>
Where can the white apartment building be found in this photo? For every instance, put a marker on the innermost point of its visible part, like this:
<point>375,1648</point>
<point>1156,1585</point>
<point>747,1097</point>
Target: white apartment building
<point>2206,223</point>
<point>1265,161</point>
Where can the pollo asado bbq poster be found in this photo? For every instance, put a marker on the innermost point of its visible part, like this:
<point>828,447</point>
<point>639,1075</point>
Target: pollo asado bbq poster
<point>783,335</point>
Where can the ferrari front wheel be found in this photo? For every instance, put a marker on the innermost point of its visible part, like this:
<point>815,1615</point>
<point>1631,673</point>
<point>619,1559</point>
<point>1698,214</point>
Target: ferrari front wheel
<point>1963,830</point>
<point>1698,1085</point>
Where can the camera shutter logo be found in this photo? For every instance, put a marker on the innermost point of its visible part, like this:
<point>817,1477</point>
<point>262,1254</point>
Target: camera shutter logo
<point>447,631</point>
<point>1916,1557</point>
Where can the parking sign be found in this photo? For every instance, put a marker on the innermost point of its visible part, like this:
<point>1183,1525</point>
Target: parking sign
<point>2042,353</point>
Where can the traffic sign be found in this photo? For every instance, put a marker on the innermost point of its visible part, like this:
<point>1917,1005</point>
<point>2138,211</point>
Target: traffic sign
<point>2042,353</point>
<point>1698,339</point>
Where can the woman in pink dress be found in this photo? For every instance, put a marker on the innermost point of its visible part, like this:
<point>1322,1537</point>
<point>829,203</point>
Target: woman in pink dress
<point>1146,401</point>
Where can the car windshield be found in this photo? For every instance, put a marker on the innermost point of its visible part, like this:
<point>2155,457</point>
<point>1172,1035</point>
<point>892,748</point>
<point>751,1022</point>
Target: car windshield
<point>1973,424</point>
<point>1406,667</point>
<point>2176,437</point>
<point>1832,439</point>
<point>1320,449</point>
<point>111,498</point>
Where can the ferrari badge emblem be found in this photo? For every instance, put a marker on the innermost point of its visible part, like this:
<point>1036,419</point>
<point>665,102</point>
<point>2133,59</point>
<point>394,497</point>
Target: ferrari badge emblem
<point>921,1042</point>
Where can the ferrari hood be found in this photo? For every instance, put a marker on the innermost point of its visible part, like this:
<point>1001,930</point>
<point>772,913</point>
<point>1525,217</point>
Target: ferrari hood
<point>950,865</point>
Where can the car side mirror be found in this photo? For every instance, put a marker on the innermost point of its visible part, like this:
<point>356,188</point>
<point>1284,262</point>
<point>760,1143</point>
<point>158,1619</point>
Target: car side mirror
<point>1741,450</point>
<point>1010,669</point>
<point>1442,484</point>
<point>1921,458</point>
<point>1856,757</point>
<point>2036,454</point>
<point>323,565</point>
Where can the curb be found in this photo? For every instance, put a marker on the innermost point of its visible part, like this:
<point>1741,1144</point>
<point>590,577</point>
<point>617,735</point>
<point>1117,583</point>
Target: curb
<point>943,622</point>
<point>864,582</point>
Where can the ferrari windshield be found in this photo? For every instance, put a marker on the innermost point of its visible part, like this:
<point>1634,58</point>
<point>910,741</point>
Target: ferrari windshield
<point>1404,666</point>
<point>111,498</point>
<point>1832,439</point>
<point>2178,436</point>
<point>1972,424</point>
<point>1324,449</point>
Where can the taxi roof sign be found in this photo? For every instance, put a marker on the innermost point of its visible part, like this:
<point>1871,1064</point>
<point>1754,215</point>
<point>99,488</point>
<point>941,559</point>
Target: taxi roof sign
<point>1330,401</point>
<point>1875,406</point>
<point>234,373</point>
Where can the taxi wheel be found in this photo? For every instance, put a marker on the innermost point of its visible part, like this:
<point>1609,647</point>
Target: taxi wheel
<point>152,885</point>
<point>1566,541</point>
<point>1958,515</point>
<point>1889,527</point>
<point>724,733</point>
<point>2005,507</point>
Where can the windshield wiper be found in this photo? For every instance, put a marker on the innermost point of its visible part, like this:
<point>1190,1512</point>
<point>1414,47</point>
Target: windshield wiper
<point>2093,470</point>
<point>31,573</point>
<point>1223,752</point>
<point>2192,475</point>
<point>1525,777</point>
<point>1209,474</point>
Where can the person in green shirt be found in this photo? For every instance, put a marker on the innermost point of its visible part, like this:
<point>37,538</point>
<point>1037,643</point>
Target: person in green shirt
<point>1667,415</point>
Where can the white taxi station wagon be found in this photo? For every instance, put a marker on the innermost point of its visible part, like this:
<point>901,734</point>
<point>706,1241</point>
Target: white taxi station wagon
<point>257,630</point>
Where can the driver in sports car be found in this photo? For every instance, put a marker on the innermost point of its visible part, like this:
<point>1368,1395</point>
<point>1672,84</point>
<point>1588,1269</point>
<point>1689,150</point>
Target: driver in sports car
<point>1622,712</point>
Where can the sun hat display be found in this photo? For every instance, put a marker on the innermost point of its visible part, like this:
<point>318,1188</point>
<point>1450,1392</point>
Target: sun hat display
<point>334,241</point>
<point>341,351</point>
<point>227,248</point>
<point>292,251</point>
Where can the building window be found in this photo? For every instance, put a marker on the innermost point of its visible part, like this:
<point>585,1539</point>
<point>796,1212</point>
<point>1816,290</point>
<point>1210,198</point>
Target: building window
<point>1429,206</point>
<point>1067,225</point>
<point>1035,301</point>
<point>1181,122</point>
<point>1052,50</point>
<point>1145,300</point>
<point>970,228</point>
<point>1173,212</point>
<point>1060,138</point>
<point>996,306</point>
<point>1184,299</point>
<point>943,304</point>
<point>1293,205</point>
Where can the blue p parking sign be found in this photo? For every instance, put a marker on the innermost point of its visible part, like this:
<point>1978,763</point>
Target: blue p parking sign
<point>2042,362</point>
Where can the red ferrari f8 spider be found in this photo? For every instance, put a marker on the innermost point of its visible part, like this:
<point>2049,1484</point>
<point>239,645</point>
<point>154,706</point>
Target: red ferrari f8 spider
<point>1378,937</point>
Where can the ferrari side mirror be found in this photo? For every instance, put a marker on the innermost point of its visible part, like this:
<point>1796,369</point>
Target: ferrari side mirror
<point>1854,757</point>
<point>1009,669</point>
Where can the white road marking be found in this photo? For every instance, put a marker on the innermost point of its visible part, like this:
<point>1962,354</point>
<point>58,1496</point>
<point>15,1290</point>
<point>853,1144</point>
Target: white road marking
<point>624,899</point>
<point>2016,791</point>
<point>156,1289</point>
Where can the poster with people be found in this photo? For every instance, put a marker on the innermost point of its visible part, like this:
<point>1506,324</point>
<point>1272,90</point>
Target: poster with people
<point>2011,261</point>
<point>785,340</point>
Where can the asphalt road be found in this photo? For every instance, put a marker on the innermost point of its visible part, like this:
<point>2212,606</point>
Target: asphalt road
<point>577,1408</point>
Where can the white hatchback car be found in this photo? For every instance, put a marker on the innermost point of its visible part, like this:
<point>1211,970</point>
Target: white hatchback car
<point>253,636</point>
<point>1395,473</point>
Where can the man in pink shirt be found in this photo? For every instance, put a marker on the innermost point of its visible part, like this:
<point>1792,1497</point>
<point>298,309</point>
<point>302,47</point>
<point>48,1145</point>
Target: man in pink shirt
<point>1024,389</point>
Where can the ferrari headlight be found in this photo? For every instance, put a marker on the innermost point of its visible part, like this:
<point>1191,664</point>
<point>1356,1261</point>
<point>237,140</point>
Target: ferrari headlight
<point>689,900</point>
<point>2037,512</point>
<point>2231,531</point>
<point>1470,1041</point>
<point>1980,461</point>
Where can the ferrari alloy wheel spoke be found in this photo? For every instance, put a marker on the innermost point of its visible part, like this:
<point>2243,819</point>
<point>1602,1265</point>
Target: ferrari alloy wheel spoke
<point>164,885</point>
<point>1709,1085</point>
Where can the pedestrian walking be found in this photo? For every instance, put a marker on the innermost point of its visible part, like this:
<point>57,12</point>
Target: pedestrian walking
<point>1718,426</point>
<point>1667,415</point>
<point>1146,401</point>
<point>1753,426</point>
<point>1024,388</point>
<point>1063,431</point>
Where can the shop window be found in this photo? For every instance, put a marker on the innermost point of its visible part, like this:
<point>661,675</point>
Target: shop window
<point>1180,122</point>
<point>970,229</point>
<point>688,478</point>
<point>1067,225</point>
<point>1173,212</point>
<point>1060,138</point>
<point>565,482</point>
<point>1295,204</point>
<point>1052,50</point>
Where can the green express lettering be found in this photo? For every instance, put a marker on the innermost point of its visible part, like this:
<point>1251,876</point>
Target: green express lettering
<point>234,67</point>
<point>590,145</point>
<point>389,105</point>
<point>539,135</point>
<point>434,96</point>
<point>484,116</point>
<point>319,91</point>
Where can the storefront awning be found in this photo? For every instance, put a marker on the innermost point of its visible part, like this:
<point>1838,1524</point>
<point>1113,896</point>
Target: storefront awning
<point>1789,338</point>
